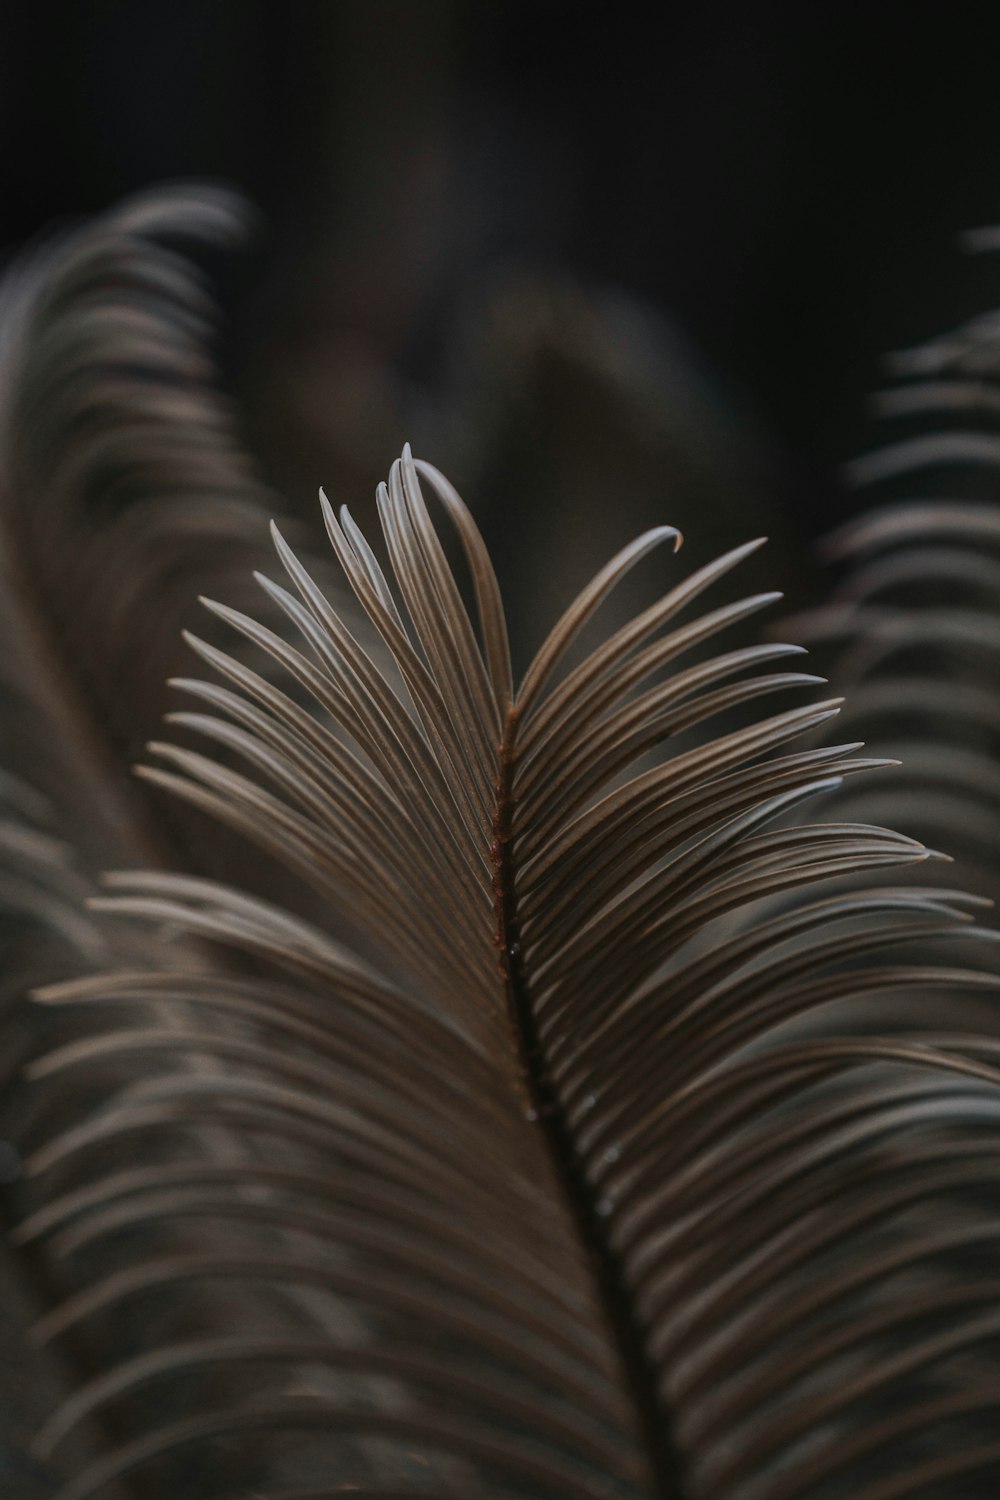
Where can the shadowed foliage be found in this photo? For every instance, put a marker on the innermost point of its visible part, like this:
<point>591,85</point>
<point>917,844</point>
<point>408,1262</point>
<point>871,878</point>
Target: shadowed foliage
<point>585,1115</point>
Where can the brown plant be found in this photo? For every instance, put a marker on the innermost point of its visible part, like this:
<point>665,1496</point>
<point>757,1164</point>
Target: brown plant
<point>576,1120</point>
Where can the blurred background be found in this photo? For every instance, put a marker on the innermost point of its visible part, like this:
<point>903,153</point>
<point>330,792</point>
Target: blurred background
<point>603,267</point>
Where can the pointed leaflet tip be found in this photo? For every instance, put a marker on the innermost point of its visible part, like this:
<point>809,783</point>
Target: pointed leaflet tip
<point>827,709</point>
<point>150,773</point>
<point>202,649</point>
<point>326,508</point>
<point>334,528</point>
<point>271,589</point>
<point>665,534</point>
<point>282,548</point>
<point>214,607</point>
<point>737,555</point>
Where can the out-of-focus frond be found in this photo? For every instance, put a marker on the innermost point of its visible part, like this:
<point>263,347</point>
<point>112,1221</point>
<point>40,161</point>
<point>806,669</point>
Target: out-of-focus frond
<point>912,634</point>
<point>916,618</point>
<point>123,492</point>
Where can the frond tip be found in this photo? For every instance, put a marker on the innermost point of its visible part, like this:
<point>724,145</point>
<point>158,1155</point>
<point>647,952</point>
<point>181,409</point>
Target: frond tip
<point>549,1139</point>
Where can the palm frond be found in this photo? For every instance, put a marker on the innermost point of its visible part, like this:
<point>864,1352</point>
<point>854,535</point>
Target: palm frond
<point>917,615</point>
<point>535,1141</point>
<point>914,633</point>
<point>123,489</point>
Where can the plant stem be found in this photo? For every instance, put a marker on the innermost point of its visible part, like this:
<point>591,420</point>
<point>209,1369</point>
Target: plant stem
<point>665,1462</point>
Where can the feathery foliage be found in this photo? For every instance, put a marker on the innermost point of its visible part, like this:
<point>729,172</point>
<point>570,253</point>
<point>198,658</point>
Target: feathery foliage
<point>919,609</point>
<point>579,1122</point>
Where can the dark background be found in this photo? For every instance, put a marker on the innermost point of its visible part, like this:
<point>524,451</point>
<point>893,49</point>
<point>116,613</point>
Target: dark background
<point>768,195</point>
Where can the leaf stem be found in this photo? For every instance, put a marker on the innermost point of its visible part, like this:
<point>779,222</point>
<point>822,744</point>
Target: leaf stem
<point>665,1461</point>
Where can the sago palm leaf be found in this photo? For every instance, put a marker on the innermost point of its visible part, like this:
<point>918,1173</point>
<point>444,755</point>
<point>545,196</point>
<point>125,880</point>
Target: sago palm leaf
<point>918,612</point>
<point>553,1142</point>
<point>123,489</point>
<point>582,1147</point>
<point>916,621</point>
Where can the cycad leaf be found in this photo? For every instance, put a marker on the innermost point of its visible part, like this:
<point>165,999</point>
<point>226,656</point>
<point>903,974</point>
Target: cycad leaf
<point>123,491</point>
<point>916,618</point>
<point>525,1121</point>
<point>917,614</point>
